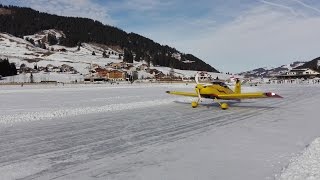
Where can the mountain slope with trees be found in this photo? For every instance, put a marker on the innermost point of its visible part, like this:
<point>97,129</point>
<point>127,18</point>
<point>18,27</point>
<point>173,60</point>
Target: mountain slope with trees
<point>269,72</point>
<point>20,22</point>
<point>313,64</point>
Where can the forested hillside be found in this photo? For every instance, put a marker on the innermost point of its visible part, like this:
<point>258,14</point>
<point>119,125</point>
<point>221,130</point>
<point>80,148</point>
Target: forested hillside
<point>25,21</point>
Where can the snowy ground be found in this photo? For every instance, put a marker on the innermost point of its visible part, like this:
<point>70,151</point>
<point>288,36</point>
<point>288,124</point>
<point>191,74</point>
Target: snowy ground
<point>140,132</point>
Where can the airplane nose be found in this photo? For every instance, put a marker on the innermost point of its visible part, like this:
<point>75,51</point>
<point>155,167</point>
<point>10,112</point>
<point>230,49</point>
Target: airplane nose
<point>272,94</point>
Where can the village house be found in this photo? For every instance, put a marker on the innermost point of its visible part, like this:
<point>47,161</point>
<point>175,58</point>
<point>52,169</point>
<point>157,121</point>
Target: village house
<point>143,67</point>
<point>116,75</point>
<point>102,73</point>
<point>130,67</point>
<point>119,65</point>
<point>299,73</point>
<point>113,75</point>
<point>153,71</point>
<point>66,68</point>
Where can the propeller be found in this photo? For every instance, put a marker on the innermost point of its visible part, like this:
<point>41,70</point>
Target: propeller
<point>197,78</point>
<point>198,86</point>
<point>198,93</point>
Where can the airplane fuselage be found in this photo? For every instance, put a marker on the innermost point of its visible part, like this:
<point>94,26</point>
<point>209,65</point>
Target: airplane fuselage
<point>213,91</point>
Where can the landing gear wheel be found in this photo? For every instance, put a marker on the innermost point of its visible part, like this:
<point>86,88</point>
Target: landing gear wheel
<point>224,106</point>
<point>194,104</point>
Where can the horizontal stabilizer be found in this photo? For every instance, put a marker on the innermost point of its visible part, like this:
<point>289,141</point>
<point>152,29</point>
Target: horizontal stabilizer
<point>191,94</point>
<point>249,95</point>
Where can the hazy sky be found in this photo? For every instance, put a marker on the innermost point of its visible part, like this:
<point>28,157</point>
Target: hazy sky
<point>231,35</point>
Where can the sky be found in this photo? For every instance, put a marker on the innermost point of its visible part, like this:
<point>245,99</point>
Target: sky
<point>231,35</point>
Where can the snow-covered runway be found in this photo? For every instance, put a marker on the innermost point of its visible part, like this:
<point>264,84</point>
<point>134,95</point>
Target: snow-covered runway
<point>140,132</point>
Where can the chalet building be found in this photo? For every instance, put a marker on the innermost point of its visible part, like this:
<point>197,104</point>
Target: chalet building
<point>119,65</point>
<point>130,67</point>
<point>66,68</point>
<point>299,73</point>
<point>93,79</point>
<point>143,67</point>
<point>153,71</point>
<point>102,73</point>
<point>113,75</point>
<point>159,75</point>
<point>116,75</point>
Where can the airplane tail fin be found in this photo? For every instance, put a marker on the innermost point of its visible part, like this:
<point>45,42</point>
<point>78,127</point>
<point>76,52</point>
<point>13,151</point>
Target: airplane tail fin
<point>237,88</point>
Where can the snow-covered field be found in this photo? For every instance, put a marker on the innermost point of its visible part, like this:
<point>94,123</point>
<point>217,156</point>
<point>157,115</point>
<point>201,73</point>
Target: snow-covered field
<point>140,132</point>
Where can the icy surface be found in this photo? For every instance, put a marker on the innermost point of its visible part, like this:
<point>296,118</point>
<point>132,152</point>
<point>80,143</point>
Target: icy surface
<point>140,132</point>
<point>306,166</point>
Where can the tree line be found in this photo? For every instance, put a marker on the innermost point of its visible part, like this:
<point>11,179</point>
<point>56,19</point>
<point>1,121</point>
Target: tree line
<point>26,21</point>
<point>7,68</point>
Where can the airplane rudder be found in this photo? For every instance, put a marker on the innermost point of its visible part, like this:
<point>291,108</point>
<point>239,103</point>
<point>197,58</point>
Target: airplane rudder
<point>237,88</point>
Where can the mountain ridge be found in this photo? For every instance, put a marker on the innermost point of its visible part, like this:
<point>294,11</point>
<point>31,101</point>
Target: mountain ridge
<point>269,72</point>
<point>73,64</point>
<point>20,21</point>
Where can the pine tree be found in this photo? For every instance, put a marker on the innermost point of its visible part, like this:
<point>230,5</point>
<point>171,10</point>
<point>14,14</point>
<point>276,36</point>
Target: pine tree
<point>104,54</point>
<point>128,57</point>
<point>52,39</point>
<point>7,68</point>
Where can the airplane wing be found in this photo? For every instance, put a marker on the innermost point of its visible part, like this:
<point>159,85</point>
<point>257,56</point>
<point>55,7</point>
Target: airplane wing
<point>249,95</point>
<point>191,94</point>
<point>230,96</point>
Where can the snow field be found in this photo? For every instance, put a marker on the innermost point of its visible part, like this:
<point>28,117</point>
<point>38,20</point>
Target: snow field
<point>304,166</point>
<point>140,132</point>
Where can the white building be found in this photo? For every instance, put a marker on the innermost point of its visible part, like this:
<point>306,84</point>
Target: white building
<point>299,73</point>
<point>306,71</point>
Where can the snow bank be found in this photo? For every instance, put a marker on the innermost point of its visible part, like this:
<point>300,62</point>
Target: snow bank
<point>306,166</point>
<point>67,112</point>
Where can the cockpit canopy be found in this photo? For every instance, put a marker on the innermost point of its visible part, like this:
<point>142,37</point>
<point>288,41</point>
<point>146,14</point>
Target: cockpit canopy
<point>220,83</point>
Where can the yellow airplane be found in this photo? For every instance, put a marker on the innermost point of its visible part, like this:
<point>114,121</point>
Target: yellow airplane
<point>219,90</point>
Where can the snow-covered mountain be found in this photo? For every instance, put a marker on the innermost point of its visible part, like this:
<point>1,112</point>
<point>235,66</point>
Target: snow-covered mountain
<point>269,72</point>
<point>20,51</point>
<point>36,50</point>
<point>23,22</point>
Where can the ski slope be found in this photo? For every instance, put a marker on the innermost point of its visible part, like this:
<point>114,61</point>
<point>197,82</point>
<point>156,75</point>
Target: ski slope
<point>139,132</point>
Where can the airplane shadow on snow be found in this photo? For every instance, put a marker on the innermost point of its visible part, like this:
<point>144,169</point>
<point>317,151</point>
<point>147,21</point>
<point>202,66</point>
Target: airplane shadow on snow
<point>231,104</point>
